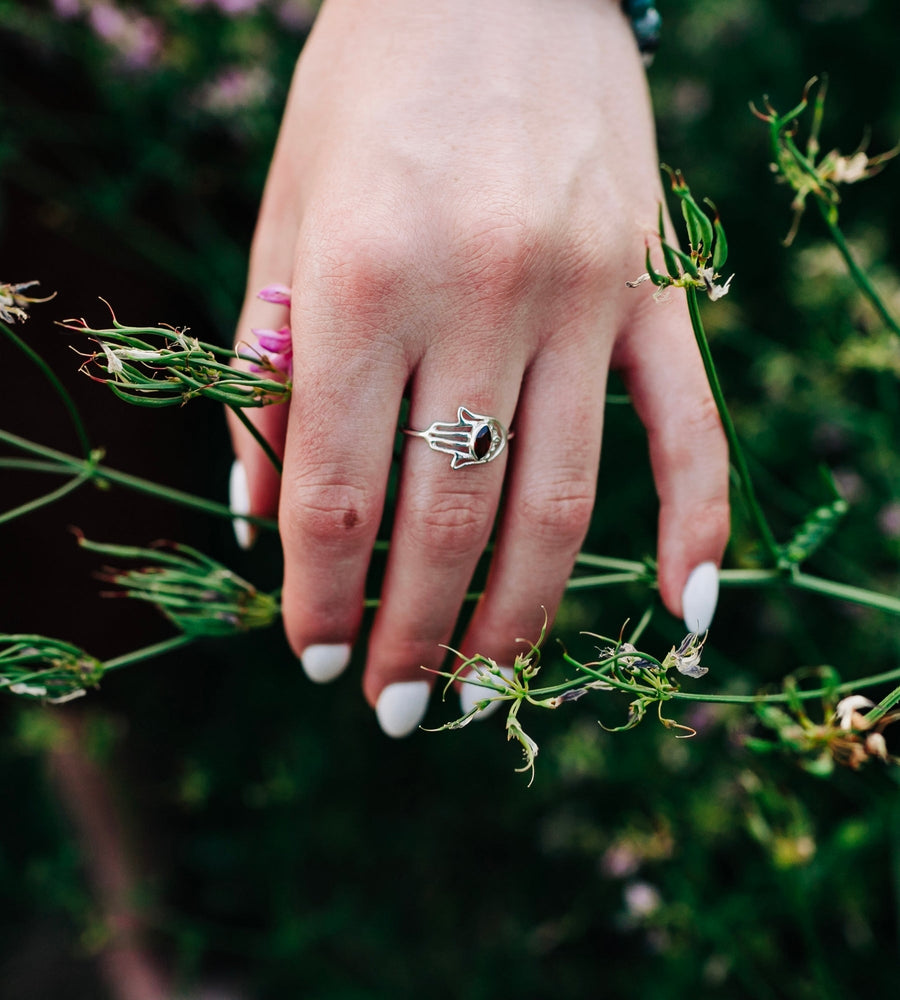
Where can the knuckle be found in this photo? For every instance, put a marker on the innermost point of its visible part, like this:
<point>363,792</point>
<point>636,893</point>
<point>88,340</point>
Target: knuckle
<point>361,264</point>
<point>327,510</point>
<point>451,525</point>
<point>715,516</point>
<point>498,250</point>
<point>702,419</point>
<point>560,513</point>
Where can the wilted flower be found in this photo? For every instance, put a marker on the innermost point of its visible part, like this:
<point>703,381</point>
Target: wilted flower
<point>163,366</point>
<point>685,658</point>
<point>14,305</point>
<point>846,736</point>
<point>800,169</point>
<point>847,711</point>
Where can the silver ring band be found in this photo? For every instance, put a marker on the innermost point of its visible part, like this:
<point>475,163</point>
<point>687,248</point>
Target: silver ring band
<point>473,440</point>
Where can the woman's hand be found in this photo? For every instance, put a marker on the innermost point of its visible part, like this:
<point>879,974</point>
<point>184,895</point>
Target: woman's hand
<point>458,195</point>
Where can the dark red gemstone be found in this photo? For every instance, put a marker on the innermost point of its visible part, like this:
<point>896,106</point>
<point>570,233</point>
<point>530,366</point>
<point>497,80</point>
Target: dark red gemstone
<point>482,443</point>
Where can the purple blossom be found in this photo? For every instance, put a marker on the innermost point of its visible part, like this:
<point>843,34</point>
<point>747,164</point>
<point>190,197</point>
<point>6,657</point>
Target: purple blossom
<point>235,89</point>
<point>137,39</point>
<point>227,7</point>
<point>108,22</point>
<point>67,8</point>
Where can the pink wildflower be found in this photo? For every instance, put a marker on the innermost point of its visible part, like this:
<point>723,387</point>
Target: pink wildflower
<point>276,351</point>
<point>279,294</point>
<point>137,39</point>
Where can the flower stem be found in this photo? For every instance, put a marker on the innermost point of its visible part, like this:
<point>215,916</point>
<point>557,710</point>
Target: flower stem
<point>102,473</point>
<point>783,697</point>
<point>148,652</point>
<point>856,272</point>
<point>845,592</point>
<point>258,437</point>
<point>737,452</point>
<point>47,498</point>
<point>58,388</point>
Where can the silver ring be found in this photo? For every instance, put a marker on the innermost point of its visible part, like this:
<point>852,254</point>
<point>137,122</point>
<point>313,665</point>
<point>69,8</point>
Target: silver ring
<point>472,440</point>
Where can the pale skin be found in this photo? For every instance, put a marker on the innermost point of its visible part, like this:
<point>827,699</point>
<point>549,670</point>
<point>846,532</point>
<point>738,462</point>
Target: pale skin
<point>459,193</point>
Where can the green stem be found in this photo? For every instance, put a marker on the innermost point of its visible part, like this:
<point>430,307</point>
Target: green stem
<point>258,437</point>
<point>31,465</point>
<point>605,579</point>
<point>856,272</point>
<point>148,652</point>
<point>58,387</point>
<point>47,498</point>
<point>884,706</point>
<point>607,562</point>
<point>845,592</point>
<point>757,699</point>
<point>737,452</point>
<point>102,473</point>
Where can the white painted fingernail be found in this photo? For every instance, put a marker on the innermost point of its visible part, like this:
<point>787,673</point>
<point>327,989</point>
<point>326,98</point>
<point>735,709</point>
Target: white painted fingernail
<point>325,661</point>
<point>239,501</point>
<point>401,707</point>
<point>699,597</point>
<point>483,689</point>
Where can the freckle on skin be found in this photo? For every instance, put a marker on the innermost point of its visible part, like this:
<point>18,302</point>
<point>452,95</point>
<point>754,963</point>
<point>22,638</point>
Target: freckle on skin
<point>350,518</point>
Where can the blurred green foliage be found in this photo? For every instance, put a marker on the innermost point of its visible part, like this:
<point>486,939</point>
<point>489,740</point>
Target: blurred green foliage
<point>294,850</point>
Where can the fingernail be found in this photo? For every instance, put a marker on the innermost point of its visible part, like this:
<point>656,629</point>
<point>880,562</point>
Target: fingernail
<point>401,707</point>
<point>239,501</point>
<point>470,694</point>
<point>323,662</point>
<point>699,597</point>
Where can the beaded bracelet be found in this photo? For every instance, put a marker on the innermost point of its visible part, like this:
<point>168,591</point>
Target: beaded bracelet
<point>645,22</point>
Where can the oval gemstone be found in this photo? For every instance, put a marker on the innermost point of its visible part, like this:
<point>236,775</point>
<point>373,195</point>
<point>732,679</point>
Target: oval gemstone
<point>482,443</point>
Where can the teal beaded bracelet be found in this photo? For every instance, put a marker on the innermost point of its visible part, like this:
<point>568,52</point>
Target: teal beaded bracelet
<point>645,22</point>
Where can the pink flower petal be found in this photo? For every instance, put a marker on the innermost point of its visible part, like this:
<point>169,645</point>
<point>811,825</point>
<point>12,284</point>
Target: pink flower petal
<point>278,341</point>
<point>279,294</point>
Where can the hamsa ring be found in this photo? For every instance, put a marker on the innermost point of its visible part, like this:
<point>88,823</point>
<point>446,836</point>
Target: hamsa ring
<point>473,440</point>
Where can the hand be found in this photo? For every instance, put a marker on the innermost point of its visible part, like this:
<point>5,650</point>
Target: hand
<point>458,195</point>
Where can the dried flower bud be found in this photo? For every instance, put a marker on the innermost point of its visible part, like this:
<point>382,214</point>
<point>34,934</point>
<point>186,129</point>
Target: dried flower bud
<point>14,305</point>
<point>44,669</point>
<point>195,592</point>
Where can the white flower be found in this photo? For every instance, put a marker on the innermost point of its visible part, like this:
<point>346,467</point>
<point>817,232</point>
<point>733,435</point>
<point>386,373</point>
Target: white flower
<point>29,690</point>
<point>113,364</point>
<point>685,658</point>
<point>714,291</point>
<point>848,169</point>
<point>847,711</point>
<point>642,900</point>
<point>137,354</point>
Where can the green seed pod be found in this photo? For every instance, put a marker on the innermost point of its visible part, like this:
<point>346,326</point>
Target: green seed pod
<point>814,532</point>
<point>700,230</point>
<point>687,262</point>
<point>655,276</point>
<point>720,246</point>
